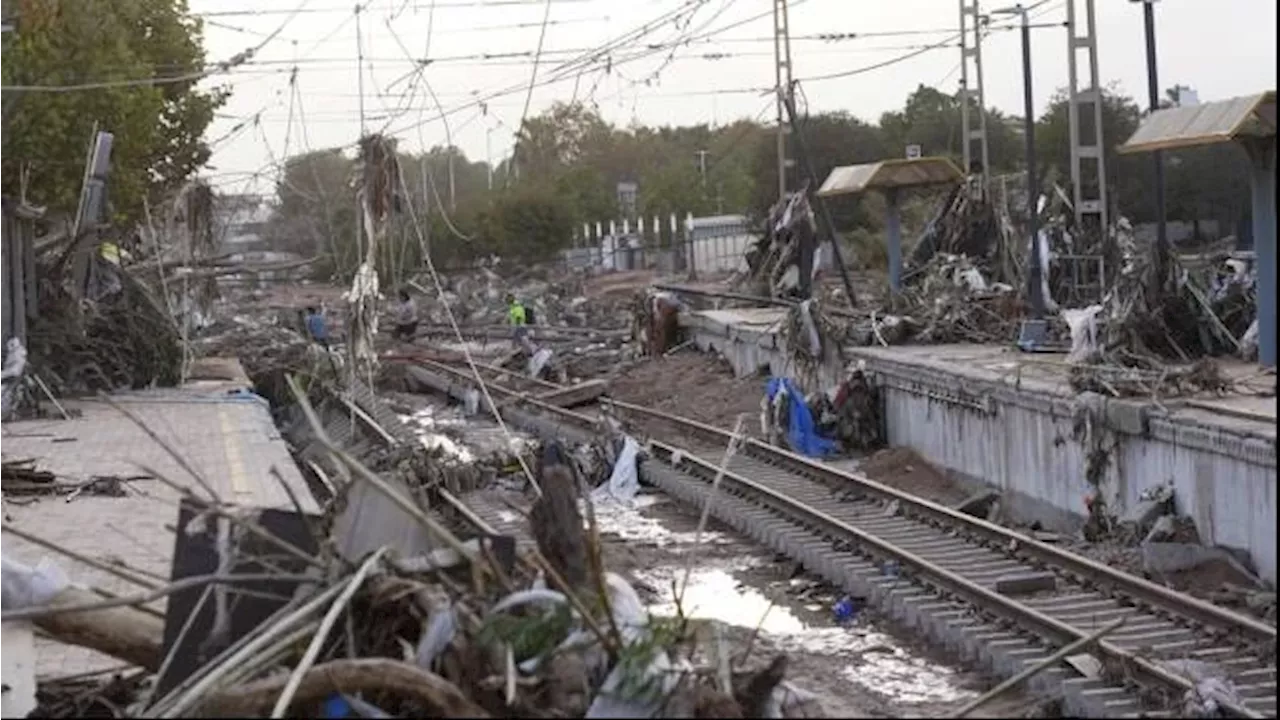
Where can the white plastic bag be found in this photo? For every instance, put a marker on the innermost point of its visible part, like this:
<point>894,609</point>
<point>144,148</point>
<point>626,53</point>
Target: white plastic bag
<point>15,359</point>
<point>624,481</point>
<point>1249,342</point>
<point>811,329</point>
<point>22,586</point>
<point>1083,323</point>
<point>539,361</point>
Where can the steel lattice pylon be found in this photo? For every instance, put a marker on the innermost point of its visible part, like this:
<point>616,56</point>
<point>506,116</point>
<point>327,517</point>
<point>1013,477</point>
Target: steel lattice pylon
<point>1088,162</point>
<point>782,74</point>
<point>972,99</point>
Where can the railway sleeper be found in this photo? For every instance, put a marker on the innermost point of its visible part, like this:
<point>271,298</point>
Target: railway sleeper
<point>990,644</point>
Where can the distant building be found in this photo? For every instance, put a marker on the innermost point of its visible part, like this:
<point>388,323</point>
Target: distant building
<point>239,220</point>
<point>1184,96</point>
<point>628,195</point>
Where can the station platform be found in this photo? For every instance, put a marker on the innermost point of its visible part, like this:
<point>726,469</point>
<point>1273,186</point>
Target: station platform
<point>223,433</point>
<point>993,416</point>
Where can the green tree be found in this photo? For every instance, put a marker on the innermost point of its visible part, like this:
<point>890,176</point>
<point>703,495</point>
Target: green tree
<point>1128,177</point>
<point>316,213</point>
<point>1203,183</point>
<point>932,120</point>
<point>157,130</point>
<point>832,140</point>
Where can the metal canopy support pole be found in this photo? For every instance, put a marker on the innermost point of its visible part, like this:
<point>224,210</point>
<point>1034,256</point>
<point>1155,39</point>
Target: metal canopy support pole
<point>1088,164</point>
<point>1263,181</point>
<point>974,98</point>
<point>893,232</point>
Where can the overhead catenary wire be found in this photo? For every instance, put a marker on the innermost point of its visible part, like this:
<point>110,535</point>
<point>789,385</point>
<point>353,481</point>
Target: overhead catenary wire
<point>603,62</point>
<point>235,60</point>
<point>533,77</point>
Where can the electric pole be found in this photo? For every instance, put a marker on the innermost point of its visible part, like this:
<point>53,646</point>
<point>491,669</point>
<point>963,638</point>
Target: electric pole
<point>702,165</point>
<point>974,97</point>
<point>783,88</point>
<point>488,155</point>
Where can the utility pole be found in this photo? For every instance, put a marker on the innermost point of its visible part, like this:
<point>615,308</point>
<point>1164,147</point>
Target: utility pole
<point>702,165</point>
<point>452,204</point>
<point>426,208</point>
<point>971,54</point>
<point>783,88</point>
<point>360,68</point>
<point>1088,163</point>
<point>1153,96</point>
<point>488,154</point>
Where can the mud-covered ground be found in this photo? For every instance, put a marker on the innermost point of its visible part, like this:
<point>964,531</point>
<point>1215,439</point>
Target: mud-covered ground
<point>695,385</point>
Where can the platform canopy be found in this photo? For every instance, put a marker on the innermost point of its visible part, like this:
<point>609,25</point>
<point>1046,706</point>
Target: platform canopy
<point>1206,124</point>
<point>889,174</point>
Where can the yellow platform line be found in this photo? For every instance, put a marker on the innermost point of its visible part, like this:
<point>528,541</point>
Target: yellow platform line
<point>231,448</point>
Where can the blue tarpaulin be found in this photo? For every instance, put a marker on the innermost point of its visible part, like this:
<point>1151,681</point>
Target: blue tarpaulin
<point>802,435</point>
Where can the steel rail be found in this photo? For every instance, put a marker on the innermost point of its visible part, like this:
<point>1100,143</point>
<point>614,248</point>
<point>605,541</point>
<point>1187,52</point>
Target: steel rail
<point>759,299</point>
<point>930,573</point>
<point>947,581</point>
<point>1189,607</point>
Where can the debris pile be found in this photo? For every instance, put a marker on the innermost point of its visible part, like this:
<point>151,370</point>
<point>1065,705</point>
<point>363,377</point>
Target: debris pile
<point>472,627</point>
<point>965,225</point>
<point>842,420</point>
<point>1151,539</point>
<point>555,297</point>
<point>119,337</point>
<point>1156,336</point>
<point>267,349</point>
<point>773,263</point>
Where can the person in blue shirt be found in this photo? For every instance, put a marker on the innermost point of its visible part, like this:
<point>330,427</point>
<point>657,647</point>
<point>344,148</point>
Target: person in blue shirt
<point>317,328</point>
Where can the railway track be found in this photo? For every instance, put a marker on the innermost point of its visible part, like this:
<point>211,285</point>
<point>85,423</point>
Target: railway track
<point>992,595</point>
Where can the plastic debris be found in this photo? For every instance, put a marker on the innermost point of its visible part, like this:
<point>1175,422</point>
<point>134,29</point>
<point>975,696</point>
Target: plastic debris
<point>23,586</point>
<point>624,480</point>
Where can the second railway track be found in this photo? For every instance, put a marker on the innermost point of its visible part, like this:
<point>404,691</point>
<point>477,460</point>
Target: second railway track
<point>990,594</point>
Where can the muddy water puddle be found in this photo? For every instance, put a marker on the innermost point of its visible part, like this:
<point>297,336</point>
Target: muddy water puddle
<point>461,438</point>
<point>855,667</point>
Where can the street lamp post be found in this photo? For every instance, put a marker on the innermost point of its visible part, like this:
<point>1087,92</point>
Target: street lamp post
<point>1157,157</point>
<point>1035,282</point>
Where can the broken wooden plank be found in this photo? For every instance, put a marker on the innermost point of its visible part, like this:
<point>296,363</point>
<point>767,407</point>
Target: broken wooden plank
<point>121,632</point>
<point>574,395</point>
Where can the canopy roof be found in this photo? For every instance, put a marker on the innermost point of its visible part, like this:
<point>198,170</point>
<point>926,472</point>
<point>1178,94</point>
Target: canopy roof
<point>888,174</point>
<point>1206,124</point>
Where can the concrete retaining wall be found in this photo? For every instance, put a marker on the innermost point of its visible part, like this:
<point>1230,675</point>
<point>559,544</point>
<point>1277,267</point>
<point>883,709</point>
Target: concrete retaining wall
<point>1034,444</point>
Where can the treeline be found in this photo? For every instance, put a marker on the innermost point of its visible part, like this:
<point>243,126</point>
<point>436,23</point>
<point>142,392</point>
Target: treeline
<point>158,129</point>
<point>569,160</point>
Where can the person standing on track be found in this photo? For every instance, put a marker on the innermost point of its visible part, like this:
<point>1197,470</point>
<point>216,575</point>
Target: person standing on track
<point>317,328</point>
<point>518,317</point>
<point>405,316</point>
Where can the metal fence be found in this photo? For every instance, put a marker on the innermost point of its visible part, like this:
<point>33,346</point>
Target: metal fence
<point>696,245</point>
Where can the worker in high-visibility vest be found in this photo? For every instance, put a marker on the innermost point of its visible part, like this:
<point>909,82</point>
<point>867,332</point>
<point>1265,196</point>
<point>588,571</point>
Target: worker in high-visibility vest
<point>111,253</point>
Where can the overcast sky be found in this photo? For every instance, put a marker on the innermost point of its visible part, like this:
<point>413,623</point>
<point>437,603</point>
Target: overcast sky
<point>1222,49</point>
